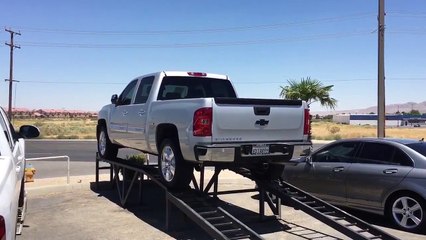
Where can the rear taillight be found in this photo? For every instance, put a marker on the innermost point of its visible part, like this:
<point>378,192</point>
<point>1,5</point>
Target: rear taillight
<point>307,123</point>
<point>2,228</point>
<point>202,122</point>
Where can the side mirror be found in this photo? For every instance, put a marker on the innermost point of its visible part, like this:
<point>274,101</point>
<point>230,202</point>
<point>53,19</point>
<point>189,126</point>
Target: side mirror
<point>29,131</point>
<point>309,160</point>
<point>114,99</point>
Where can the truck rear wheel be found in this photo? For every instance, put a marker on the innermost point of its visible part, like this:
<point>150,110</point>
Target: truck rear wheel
<point>106,149</point>
<point>174,171</point>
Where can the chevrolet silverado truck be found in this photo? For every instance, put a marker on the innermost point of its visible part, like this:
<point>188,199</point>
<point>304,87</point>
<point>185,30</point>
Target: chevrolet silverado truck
<point>193,118</point>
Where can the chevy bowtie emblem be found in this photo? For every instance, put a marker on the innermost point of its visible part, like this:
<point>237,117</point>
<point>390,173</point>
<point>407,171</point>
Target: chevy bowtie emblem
<point>262,122</point>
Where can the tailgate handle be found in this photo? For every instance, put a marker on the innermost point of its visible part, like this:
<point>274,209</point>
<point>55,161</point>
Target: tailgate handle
<point>262,111</point>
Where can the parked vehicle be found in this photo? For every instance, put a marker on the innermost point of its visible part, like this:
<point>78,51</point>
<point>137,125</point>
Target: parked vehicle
<point>190,117</point>
<point>382,176</point>
<point>12,164</point>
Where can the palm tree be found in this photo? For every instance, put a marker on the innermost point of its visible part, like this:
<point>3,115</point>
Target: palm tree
<point>309,90</point>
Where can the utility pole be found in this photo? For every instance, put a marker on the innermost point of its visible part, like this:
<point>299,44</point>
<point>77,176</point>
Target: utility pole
<point>381,106</point>
<point>12,46</point>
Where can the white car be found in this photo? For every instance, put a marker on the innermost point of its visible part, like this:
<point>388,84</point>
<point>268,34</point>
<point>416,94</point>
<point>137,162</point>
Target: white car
<point>12,164</point>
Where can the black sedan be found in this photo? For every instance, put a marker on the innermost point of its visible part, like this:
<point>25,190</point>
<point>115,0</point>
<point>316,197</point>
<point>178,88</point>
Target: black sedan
<point>383,176</point>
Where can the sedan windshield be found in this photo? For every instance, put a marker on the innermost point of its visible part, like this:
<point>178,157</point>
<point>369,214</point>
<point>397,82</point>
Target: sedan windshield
<point>419,147</point>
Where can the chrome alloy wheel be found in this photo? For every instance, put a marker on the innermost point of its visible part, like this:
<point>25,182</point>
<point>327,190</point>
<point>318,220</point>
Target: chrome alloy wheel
<point>407,212</point>
<point>102,141</point>
<point>168,163</point>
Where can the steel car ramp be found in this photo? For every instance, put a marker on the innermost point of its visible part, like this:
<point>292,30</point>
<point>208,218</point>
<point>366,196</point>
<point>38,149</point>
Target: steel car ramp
<point>218,223</point>
<point>198,206</point>
<point>332,216</point>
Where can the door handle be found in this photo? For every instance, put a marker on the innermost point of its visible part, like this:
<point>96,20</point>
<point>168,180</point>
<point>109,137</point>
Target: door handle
<point>338,169</point>
<point>390,171</point>
<point>18,169</point>
<point>125,113</point>
<point>141,112</point>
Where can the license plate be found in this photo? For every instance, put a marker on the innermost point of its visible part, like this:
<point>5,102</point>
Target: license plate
<point>260,150</point>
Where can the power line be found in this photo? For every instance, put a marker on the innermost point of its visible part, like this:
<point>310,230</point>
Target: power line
<point>242,83</point>
<point>408,31</point>
<point>201,31</point>
<point>406,14</point>
<point>196,45</point>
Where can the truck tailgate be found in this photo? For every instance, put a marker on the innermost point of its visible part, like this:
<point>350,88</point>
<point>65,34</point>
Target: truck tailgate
<point>257,120</point>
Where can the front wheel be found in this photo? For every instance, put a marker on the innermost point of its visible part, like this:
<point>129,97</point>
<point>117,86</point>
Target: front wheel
<point>174,171</point>
<point>106,149</point>
<point>407,212</point>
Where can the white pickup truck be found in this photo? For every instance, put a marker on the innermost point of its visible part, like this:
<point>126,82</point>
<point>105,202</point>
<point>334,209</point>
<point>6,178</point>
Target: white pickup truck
<point>12,166</point>
<point>190,118</point>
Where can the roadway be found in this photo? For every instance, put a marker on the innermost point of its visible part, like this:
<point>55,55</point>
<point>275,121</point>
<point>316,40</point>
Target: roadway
<point>82,155</point>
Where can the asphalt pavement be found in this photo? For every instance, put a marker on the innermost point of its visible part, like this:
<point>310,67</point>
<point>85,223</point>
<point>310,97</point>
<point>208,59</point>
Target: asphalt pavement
<point>82,155</point>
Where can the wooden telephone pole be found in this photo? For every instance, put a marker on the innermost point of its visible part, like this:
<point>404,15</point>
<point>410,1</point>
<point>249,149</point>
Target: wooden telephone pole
<point>381,106</point>
<point>12,46</point>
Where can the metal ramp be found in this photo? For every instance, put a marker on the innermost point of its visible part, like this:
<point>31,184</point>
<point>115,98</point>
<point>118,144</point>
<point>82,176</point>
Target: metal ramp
<point>334,217</point>
<point>195,204</point>
<point>218,223</point>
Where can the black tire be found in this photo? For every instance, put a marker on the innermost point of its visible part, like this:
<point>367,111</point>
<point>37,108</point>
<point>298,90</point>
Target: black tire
<point>106,149</point>
<point>272,172</point>
<point>407,211</point>
<point>175,172</point>
<point>22,193</point>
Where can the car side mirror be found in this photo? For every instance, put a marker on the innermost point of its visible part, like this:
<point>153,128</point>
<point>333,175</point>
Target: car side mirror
<point>114,99</point>
<point>309,160</point>
<point>29,131</point>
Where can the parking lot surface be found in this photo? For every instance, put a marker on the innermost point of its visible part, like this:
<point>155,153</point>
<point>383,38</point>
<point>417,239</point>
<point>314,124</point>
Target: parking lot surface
<point>80,211</point>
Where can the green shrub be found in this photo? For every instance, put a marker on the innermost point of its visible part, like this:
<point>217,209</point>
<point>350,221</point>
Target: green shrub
<point>139,158</point>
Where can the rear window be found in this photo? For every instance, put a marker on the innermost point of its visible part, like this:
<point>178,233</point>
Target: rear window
<point>194,87</point>
<point>419,147</point>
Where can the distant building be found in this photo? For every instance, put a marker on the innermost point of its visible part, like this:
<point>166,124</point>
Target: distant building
<point>391,120</point>
<point>52,113</point>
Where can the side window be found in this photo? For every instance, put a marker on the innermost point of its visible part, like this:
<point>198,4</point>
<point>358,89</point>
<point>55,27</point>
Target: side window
<point>341,152</point>
<point>400,158</point>
<point>144,90</point>
<point>376,153</point>
<point>4,125</point>
<point>127,94</point>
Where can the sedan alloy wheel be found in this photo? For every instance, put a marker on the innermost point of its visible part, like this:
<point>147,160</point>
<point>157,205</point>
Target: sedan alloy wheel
<point>407,212</point>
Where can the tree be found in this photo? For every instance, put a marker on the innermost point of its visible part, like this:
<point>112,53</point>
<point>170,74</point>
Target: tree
<point>309,90</point>
<point>415,112</point>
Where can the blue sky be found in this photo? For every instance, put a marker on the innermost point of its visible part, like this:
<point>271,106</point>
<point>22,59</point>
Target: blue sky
<point>76,54</point>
